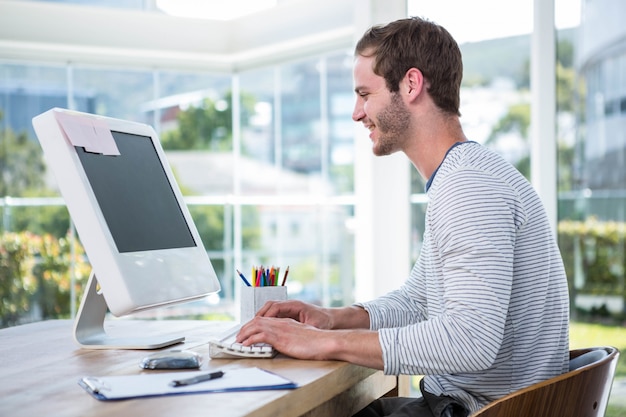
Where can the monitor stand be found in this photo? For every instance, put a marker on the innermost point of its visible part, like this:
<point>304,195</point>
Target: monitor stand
<point>89,326</point>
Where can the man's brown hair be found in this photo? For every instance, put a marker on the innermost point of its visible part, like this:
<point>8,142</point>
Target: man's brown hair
<point>416,43</point>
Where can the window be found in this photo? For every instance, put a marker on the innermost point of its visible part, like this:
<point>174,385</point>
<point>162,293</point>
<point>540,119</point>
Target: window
<point>270,178</point>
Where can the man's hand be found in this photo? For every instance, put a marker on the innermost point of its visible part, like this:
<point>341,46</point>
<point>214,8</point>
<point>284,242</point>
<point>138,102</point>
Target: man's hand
<point>312,315</point>
<point>351,317</point>
<point>304,341</point>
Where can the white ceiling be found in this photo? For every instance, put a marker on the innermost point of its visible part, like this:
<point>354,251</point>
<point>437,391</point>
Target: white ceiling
<point>70,33</point>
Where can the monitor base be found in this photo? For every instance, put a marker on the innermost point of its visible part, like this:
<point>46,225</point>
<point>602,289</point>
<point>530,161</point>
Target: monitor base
<point>89,330</point>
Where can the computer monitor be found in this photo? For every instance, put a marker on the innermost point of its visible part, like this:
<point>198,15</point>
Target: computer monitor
<point>142,244</point>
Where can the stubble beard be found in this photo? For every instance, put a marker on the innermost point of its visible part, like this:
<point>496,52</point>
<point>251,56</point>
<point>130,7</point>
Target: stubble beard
<point>393,124</point>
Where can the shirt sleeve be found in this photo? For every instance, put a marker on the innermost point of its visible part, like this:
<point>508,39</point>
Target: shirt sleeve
<point>402,307</point>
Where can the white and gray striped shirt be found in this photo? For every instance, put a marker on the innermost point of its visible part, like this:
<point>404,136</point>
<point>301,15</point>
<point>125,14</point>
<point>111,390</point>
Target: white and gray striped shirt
<point>485,310</point>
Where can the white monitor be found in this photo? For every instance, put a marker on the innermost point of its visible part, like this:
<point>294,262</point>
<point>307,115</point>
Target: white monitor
<point>142,244</point>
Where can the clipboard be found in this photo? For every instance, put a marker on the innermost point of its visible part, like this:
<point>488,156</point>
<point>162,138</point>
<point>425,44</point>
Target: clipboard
<point>110,388</point>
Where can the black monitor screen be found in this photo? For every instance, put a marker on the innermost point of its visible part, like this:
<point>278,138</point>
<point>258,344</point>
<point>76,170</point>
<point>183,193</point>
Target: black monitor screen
<point>135,196</point>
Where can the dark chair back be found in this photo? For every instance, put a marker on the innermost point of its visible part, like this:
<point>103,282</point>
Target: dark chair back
<point>581,392</point>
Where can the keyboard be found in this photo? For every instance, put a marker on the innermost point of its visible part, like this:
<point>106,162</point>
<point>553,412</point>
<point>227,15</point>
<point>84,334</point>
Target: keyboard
<point>226,347</point>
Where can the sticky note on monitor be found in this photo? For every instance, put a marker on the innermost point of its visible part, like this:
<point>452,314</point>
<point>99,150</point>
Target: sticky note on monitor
<point>92,134</point>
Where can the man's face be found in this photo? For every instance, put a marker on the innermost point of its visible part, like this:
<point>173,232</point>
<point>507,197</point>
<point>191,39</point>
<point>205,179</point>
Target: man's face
<point>382,112</point>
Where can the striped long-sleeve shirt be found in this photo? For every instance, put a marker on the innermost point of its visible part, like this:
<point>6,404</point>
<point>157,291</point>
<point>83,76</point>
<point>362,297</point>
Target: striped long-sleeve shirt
<point>485,310</point>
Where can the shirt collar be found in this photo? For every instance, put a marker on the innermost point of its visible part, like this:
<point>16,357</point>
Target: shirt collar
<point>432,177</point>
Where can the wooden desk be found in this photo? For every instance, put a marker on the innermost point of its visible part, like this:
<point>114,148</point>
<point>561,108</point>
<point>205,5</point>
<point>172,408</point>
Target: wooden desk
<point>40,366</point>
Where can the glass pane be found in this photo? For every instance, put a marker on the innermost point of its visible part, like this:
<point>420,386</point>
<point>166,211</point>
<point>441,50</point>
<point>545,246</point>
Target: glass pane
<point>299,130</point>
<point>180,91</point>
<point>313,241</point>
<point>28,90</point>
<point>257,89</point>
<point>112,92</point>
<point>300,116</point>
<point>592,210</point>
<point>193,115</point>
<point>592,176</point>
<point>340,104</point>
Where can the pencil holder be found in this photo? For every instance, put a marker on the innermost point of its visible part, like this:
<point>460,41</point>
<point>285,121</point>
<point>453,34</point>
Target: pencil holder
<point>253,298</point>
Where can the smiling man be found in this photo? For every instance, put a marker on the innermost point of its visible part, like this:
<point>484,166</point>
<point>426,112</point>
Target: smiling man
<point>485,309</point>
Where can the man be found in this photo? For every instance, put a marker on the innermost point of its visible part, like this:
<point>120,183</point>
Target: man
<point>485,309</point>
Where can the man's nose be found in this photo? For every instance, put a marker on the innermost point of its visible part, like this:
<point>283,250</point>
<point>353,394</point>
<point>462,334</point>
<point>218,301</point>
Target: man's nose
<point>358,114</point>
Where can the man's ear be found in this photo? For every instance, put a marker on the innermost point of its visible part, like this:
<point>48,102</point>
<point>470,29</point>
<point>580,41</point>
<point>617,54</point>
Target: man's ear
<point>414,82</point>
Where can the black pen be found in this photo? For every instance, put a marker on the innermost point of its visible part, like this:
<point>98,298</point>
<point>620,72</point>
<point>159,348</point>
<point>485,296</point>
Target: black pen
<point>197,379</point>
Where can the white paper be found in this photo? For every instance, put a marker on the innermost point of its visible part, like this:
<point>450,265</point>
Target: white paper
<point>156,384</point>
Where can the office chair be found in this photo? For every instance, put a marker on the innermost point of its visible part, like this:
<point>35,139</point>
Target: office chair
<point>581,392</point>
